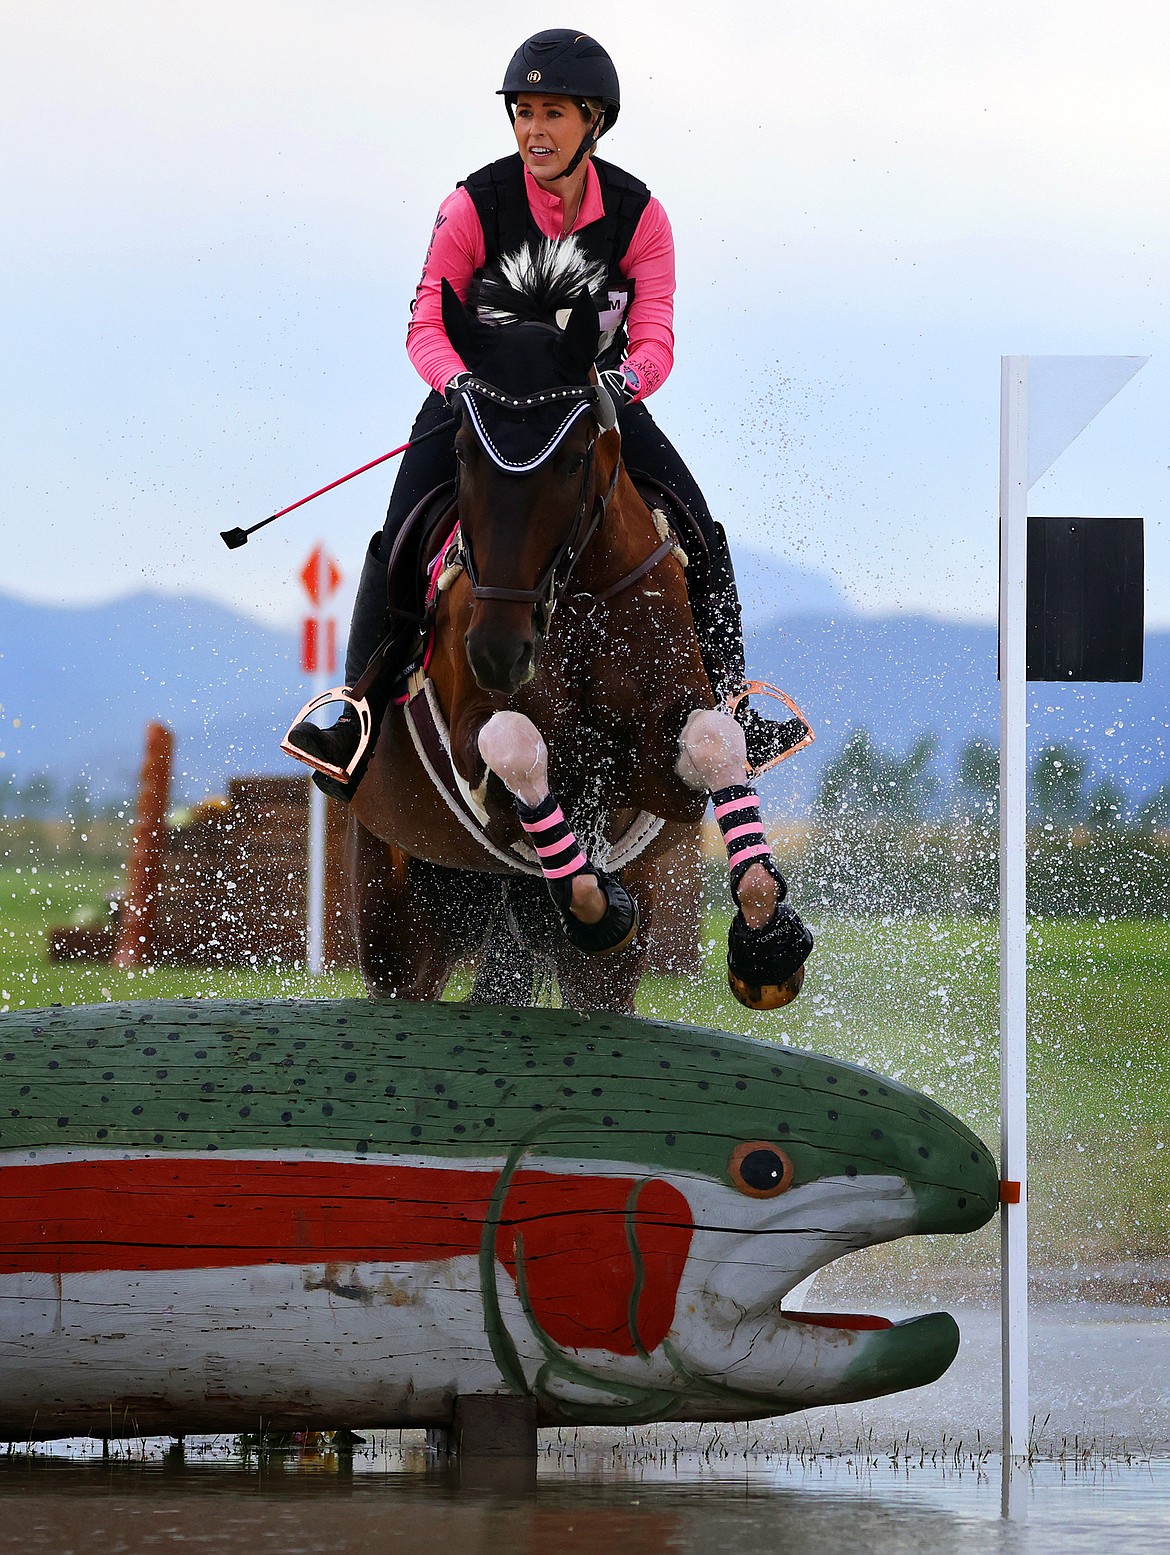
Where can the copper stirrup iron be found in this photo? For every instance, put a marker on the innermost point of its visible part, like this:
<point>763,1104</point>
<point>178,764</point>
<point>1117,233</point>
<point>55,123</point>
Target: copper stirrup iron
<point>365,721</point>
<point>753,688</point>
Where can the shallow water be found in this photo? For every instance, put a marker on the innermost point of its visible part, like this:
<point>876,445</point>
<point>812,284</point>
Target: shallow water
<point>638,1501</point>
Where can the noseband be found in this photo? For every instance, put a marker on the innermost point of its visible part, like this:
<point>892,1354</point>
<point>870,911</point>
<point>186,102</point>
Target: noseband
<point>577,400</point>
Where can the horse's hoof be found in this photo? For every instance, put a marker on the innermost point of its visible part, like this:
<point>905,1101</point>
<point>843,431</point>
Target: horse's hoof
<point>613,931</point>
<point>765,967</point>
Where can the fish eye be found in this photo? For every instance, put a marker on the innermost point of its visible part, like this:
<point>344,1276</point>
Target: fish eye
<point>759,1169</point>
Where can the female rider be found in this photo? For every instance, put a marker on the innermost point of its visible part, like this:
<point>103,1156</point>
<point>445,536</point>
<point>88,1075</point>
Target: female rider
<point>561,92</point>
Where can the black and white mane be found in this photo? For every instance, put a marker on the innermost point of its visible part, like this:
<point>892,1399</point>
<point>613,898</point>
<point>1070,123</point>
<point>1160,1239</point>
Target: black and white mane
<point>537,287</point>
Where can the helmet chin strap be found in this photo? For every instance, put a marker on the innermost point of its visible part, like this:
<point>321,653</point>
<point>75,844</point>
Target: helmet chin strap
<point>588,141</point>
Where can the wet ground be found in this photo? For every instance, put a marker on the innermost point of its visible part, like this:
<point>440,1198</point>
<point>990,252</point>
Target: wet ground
<point>637,1503</point>
<point>916,1472</point>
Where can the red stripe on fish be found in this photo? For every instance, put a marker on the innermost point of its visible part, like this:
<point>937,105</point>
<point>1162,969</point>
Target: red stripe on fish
<point>199,1213</point>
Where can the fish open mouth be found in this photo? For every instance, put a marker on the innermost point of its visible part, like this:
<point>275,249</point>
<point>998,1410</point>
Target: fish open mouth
<point>859,1321</point>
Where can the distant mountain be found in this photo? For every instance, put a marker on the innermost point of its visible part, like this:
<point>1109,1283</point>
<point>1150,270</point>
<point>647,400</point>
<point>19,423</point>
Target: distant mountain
<point>898,676</point>
<point>83,682</point>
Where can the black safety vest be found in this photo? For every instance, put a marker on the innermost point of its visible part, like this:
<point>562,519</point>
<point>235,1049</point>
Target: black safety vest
<point>500,198</point>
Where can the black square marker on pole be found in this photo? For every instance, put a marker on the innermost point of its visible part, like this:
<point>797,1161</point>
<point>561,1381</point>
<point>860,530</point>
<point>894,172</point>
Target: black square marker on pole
<point>1086,599</point>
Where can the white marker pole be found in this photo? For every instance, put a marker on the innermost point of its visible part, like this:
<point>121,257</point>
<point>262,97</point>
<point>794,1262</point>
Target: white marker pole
<point>1013,887</point>
<point>315,906</point>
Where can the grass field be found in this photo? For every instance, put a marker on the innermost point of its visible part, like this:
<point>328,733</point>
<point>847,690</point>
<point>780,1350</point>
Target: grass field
<point>913,997</point>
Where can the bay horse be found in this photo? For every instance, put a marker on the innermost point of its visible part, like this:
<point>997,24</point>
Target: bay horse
<point>564,699</point>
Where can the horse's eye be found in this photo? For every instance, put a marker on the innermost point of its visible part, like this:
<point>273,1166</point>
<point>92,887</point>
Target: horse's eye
<point>575,465</point>
<point>759,1169</point>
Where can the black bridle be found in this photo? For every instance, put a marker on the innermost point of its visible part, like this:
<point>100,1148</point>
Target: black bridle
<point>543,596</point>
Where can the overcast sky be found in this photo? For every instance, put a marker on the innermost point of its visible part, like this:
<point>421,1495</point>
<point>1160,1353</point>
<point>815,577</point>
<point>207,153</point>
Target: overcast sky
<point>214,214</point>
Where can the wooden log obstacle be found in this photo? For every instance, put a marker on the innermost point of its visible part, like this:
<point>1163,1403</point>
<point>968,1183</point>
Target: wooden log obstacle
<point>309,1215</point>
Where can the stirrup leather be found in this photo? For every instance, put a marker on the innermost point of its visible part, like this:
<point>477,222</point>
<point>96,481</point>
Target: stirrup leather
<point>361,707</point>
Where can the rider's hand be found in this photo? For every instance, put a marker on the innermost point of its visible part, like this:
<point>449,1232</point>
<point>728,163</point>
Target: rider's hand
<point>453,385</point>
<point>621,383</point>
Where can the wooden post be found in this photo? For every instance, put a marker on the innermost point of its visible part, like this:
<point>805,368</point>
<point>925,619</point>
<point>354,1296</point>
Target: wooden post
<point>136,930</point>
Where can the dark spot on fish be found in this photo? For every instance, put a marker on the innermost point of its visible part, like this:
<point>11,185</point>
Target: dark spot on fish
<point>246,1090</point>
<point>923,1152</point>
<point>851,1171</point>
<point>108,1075</point>
<point>608,1121</point>
<point>460,1128</point>
<point>327,1109</point>
<point>831,1078</point>
<point>862,1091</point>
<point>489,1123</point>
<point>568,1062</point>
<point>150,1052</point>
<point>596,1091</point>
<point>671,1139</point>
<point>530,1063</point>
<point>876,1133</point>
<point>400,1036</point>
<point>103,1133</point>
<point>199,1052</point>
<point>567,1090</point>
<point>538,1106</point>
<point>286,1117</point>
<point>458,1048</point>
<point>882,1091</point>
<point>53,1064</point>
<point>704,1085</point>
<point>500,1084</point>
<point>664,1063</point>
<point>391,1090</point>
<point>440,1090</point>
<point>350,1076</point>
<point>962,1204</point>
<point>777,1071</point>
<point>452,1104</point>
<point>208,1085</point>
<point>160,1074</point>
<point>182,1116</point>
<point>415,1130</point>
<point>25,1089</point>
<point>298,1044</point>
<point>741,1085</point>
<point>136,1112</point>
<point>832,1116</point>
<point>245,1112</point>
<point>783,1128</point>
<point>362,1146</point>
<point>347,1047</point>
<point>975,1156</point>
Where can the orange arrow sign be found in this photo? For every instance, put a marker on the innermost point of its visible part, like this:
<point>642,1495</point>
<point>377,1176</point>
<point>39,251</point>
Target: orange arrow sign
<point>320,575</point>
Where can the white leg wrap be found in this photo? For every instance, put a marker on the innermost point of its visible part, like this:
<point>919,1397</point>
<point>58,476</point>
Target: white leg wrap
<point>514,749</point>
<point>712,752</point>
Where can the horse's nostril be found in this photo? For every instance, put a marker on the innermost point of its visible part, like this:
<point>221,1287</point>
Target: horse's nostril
<point>499,664</point>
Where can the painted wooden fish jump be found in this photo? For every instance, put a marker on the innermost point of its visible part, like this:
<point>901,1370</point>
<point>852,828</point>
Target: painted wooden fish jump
<point>216,1216</point>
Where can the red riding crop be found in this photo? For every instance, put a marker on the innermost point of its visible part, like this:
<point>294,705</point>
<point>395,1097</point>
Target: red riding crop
<point>234,538</point>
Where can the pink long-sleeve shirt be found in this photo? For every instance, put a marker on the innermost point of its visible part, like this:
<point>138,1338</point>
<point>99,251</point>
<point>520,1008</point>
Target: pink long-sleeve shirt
<point>457,251</point>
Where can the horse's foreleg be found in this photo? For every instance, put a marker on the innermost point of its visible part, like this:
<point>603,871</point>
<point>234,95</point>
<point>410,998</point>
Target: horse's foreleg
<point>598,913</point>
<point>767,943</point>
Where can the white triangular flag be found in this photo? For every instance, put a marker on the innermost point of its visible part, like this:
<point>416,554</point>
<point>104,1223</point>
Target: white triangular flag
<point>1064,394</point>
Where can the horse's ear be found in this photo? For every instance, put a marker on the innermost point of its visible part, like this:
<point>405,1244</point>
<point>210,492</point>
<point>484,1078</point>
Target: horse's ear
<point>581,333</point>
<point>462,329</point>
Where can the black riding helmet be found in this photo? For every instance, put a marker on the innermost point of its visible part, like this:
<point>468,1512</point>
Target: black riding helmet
<point>564,63</point>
